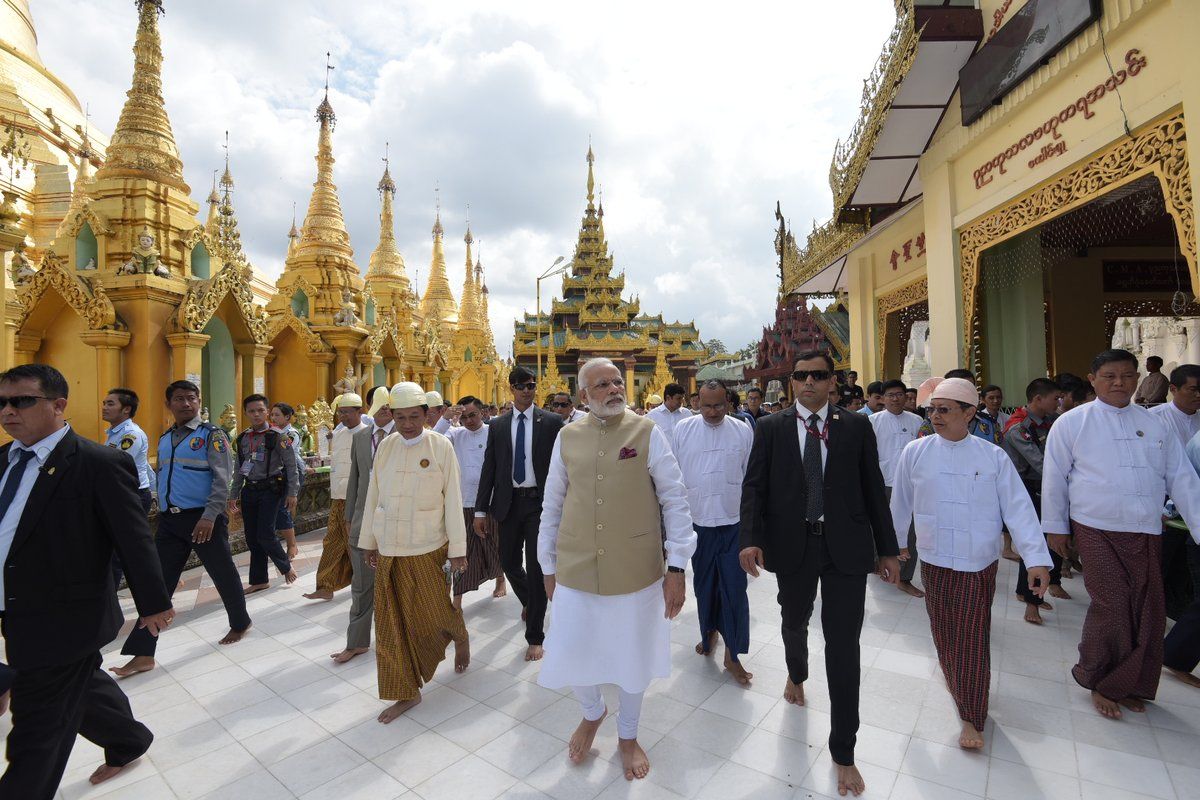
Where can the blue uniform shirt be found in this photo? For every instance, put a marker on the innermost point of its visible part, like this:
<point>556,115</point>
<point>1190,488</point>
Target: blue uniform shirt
<point>130,438</point>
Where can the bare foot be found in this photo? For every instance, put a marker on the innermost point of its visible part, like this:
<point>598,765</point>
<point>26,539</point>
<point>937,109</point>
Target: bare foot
<point>319,594</point>
<point>970,738</point>
<point>909,589</point>
<point>582,738</point>
<point>1032,616</point>
<point>534,652</point>
<point>1186,677</point>
<point>735,669</point>
<point>104,772</point>
<point>793,692</point>
<point>255,587</point>
<point>1045,606</point>
<point>292,551</point>
<point>501,588</point>
<point>633,759</point>
<point>1059,592</point>
<point>462,656</point>
<point>234,636</point>
<point>1107,708</point>
<point>706,647</point>
<point>1133,704</point>
<point>1067,573</point>
<point>291,576</point>
<point>347,654</point>
<point>136,664</point>
<point>396,709</point>
<point>850,780</point>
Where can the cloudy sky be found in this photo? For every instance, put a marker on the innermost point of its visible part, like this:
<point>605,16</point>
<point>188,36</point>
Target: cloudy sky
<point>701,116</point>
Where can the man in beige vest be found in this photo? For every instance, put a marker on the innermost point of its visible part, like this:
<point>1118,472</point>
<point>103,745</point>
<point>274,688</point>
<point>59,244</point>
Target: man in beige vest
<point>612,488</point>
<point>335,570</point>
<point>413,521</point>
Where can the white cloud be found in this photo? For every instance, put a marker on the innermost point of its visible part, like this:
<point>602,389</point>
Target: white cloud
<point>701,116</point>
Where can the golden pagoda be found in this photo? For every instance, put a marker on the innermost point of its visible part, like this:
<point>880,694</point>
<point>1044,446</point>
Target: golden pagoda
<point>593,319</point>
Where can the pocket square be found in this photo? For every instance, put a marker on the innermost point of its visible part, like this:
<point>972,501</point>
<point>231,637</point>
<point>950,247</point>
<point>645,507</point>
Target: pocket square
<point>627,452</point>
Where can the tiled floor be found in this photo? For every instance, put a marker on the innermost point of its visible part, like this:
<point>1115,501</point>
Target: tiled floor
<point>273,717</point>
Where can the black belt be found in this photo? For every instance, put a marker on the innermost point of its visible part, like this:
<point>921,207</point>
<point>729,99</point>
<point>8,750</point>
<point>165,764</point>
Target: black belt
<point>178,510</point>
<point>274,484</point>
<point>527,491</point>
<point>815,528</point>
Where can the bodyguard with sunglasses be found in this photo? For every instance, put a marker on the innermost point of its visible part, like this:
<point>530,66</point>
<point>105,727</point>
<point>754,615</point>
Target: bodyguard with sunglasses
<point>65,504</point>
<point>814,513</point>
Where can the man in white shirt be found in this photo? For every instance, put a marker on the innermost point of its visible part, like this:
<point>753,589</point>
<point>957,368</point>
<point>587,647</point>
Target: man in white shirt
<point>1108,466</point>
<point>894,429</point>
<point>335,570</point>
<point>671,412</point>
<point>470,443</point>
<point>953,469</point>
<point>713,450</point>
<point>118,410</point>
<point>562,405</point>
<point>1180,412</point>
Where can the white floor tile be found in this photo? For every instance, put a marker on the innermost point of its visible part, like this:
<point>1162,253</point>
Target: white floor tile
<point>420,758</point>
<point>471,777</point>
<point>316,766</point>
<point>1124,770</point>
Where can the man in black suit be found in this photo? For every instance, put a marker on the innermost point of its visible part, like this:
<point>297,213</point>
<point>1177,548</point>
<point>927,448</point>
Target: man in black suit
<point>510,488</point>
<point>65,504</point>
<point>814,511</point>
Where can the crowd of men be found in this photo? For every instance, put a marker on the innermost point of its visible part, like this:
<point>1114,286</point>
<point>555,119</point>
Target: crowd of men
<point>590,510</point>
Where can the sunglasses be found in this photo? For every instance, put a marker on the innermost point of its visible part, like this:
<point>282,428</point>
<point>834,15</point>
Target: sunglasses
<point>22,401</point>
<point>561,405</point>
<point>527,387</point>
<point>816,374</point>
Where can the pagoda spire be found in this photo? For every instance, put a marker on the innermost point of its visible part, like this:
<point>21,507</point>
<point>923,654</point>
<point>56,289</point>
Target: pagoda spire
<point>293,233</point>
<point>80,192</point>
<point>324,231</point>
<point>591,253</point>
<point>484,319</point>
<point>468,313</point>
<point>229,239</point>
<point>213,201</point>
<point>438,301</point>
<point>386,260</point>
<point>143,144</point>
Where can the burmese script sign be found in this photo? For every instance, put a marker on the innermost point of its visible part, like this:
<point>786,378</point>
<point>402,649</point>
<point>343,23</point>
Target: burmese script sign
<point>1046,140</point>
<point>1144,276</point>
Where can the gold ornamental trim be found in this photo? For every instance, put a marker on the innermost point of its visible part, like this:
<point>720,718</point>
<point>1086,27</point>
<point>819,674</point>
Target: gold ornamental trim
<point>1158,149</point>
<point>823,245</point>
<point>385,326</point>
<point>895,300</point>
<point>90,302</point>
<point>203,297</point>
<point>286,319</point>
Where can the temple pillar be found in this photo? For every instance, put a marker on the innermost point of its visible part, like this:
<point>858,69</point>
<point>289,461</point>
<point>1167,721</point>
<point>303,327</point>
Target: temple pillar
<point>324,383</point>
<point>395,370</point>
<point>445,377</point>
<point>367,362</point>
<point>25,348</point>
<point>186,361</point>
<point>254,367</point>
<point>9,238</point>
<point>108,345</point>
<point>630,387</point>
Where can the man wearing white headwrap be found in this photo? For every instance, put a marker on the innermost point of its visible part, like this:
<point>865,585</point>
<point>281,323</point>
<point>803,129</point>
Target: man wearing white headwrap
<point>413,522</point>
<point>335,571</point>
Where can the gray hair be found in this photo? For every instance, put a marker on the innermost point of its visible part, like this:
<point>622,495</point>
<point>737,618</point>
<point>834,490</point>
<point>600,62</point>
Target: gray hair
<point>590,365</point>
<point>714,383</point>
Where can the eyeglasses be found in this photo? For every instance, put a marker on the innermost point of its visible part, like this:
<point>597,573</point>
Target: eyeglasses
<point>940,410</point>
<point>895,396</point>
<point>527,387</point>
<point>816,374</point>
<point>561,404</point>
<point>22,401</point>
<point>604,385</point>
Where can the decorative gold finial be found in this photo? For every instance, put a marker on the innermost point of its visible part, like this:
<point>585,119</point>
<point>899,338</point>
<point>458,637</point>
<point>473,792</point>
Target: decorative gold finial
<point>386,184</point>
<point>591,180</point>
<point>325,113</point>
<point>386,259</point>
<point>437,221</point>
<point>227,178</point>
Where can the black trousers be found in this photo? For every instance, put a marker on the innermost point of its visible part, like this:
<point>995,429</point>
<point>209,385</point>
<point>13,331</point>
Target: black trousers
<point>518,531</point>
<point>117,572</point>
<point>259,508</point>
<point>1035,494</point>
<point>843,599</point>
<point>1181,648</point>
<point>174,544</point>
<point>50,705</point>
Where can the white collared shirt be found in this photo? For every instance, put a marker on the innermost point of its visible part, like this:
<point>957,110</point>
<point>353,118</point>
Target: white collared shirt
<point>892,433</point>
<point>469,447</point>
<point>1110,468</point>
<point>802,415</point>
<point>1184,425</point>
<point>959,495</point>
<point>129,438</point>
<point>667,420</point>
<point>12,518</point>
<point>713,461</point>
<point>530,480</point>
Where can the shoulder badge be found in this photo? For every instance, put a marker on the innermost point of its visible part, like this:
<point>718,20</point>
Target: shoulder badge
<point>127,441</point>
<point>219,444</point>
<point>196,443</point>
<point>285,441</point>
<point>1025,435</point>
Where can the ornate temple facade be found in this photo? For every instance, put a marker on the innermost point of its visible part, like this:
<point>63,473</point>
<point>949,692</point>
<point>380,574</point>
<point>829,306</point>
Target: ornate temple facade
<point>113,277</point>
<point>594,319</point>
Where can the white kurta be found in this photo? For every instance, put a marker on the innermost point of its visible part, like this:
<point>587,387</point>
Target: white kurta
<point>892,433</point>
<point>470,447</point>
<point>623,639</point>
<point>339,459</point>
<point>713,461</point>
<point>667,420</point>
<point>1184,425</point>
<point>1110,468</point>
<point>959,495</point>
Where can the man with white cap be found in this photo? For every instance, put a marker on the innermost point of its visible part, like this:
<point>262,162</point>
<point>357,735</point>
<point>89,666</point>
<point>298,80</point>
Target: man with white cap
<point>958,490</point>
<point>412,522</point>
<point>335,570</point>
<point>376,427</point>
<point>436,407</point>
<point>614,500</point>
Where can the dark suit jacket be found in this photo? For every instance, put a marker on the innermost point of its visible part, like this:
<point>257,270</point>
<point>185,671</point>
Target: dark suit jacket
<point>858,523</point>
<point>361,459</point>
<point>495,482</point>
<point>60,602</point>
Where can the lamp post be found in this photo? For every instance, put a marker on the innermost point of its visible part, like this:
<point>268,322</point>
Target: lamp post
<point>551,271</point>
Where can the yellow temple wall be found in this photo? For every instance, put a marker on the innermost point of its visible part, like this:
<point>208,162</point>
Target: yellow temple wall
<point>63,348</point>
<point>292,377</point>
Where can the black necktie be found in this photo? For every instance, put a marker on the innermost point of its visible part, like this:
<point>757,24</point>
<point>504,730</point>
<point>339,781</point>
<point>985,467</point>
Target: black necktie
<point>519,455</point>
<point>813,473</point>
<point>13,481</point>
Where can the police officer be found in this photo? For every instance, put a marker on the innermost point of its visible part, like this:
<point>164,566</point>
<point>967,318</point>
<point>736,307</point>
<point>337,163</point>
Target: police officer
<point>266,477</point>
<point>117,410</point>
<point>193,486</point>
<point>281,415</point>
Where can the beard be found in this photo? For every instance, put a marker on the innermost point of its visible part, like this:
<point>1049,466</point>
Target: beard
<point>612,407</point>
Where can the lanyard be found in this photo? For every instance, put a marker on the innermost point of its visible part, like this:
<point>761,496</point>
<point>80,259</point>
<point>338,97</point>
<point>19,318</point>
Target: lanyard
<point>822,434</point>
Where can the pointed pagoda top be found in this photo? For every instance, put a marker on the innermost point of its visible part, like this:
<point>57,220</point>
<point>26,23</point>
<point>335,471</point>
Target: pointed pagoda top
<point>468,312</point>
<point>591,252</point>
<point>214,200</point>
<point>438,301</point>
<point>386,261</point>
<point>229,239</point>
<point>213,197</point>
<point>143,142</point>
<point>81,191</point>
<point>293,233</point>
<point>438,230</point>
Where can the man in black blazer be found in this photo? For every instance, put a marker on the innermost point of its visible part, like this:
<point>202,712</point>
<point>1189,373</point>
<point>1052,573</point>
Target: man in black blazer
<point>814,511</point>
<point>510,489</point>
<point>65,504</point>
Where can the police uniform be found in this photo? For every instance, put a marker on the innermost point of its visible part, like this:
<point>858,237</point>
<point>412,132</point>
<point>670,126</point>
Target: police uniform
<point>130,438</point>
<point>1025,444</point>
<point>283,519</point>
<point>981,425</point>
<point>193,484</point>
<point>266,474</point>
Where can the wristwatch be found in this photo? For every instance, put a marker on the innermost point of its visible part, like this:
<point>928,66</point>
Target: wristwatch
<point>674,569</point>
